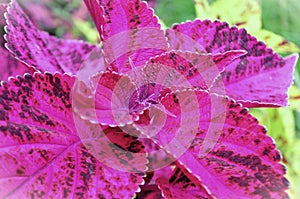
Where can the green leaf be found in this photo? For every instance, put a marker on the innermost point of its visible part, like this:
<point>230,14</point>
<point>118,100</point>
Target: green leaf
<point>294,99</point>
<point>82,27</point>
<point>293,174</point>
<point>175,11</point>
<point>282,18</point>
<point>297,75</point>
<point>203,10</point>
<point>246,14</point>
<point>275,41</point>
<point>162,23</point>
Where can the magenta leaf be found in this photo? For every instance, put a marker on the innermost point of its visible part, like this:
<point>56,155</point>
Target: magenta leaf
<point>242,161</point>
<point>265,87</point>
<point>110,103</point>
<point>191,111</point>
<point>9,66</point>
<point>41,153</point>
<point>178,185</point>
<point>129,30</point>
<point>173,183</point>
<point>186,69</point>
<point>117,16</point>
<point>71,54</point>
<point>39,49</point>
<point>243,78</point>
<point>96,11</point>
<point>150,190</point>
<point>3,8</point>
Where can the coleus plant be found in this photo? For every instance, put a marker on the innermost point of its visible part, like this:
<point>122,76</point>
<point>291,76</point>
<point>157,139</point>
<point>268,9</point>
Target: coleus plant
<point>147,114</point>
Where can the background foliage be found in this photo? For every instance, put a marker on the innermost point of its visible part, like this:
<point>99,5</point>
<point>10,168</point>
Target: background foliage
<point>69,19</point>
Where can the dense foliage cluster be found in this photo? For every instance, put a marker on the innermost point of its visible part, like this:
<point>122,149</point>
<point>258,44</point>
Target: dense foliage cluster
<point>148,113</point>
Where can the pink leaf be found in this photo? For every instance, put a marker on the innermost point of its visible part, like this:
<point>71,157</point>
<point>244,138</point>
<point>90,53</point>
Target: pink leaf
<point>186,69</point>
<point>41,153</point>
<point>192,111</point>
<point>110,105</point>
<point>39,49</point>
<point>96,12</point>
<point>72,54</point>
<point>175,124</point>
<point>243,77</point>
<point>117,16</point>
<point>178,185</point>
<point>264,88</point>
<point>149,192</point>
<point>2,21</point>
<point>240,160</point>
<point>3,7</point>
<point>9,66</point>
<point>129,30</point>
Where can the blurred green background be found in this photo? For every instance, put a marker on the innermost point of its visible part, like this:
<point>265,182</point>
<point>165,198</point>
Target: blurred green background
<point>274,21</point>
